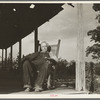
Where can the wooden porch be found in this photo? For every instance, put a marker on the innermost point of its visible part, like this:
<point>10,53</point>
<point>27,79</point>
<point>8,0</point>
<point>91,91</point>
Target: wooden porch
<point>12,85</point>
<point>55,92</point>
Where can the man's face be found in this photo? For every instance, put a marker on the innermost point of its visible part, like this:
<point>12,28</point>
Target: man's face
<point>43,47</point>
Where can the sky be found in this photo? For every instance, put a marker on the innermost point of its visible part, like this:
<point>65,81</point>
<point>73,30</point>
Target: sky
<point>64,27</point>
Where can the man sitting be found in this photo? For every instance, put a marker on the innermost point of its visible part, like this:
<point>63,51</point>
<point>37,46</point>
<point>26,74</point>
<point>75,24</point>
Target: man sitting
<point>35,68</point>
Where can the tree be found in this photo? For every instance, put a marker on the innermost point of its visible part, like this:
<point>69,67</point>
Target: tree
<point>17,59</point>
<point>9,62</point>
<point>95,36</point>
<point>94,50</point>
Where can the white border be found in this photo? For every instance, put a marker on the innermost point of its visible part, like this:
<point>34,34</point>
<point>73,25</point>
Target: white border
<point>87,2</point>
<point>45,96</point>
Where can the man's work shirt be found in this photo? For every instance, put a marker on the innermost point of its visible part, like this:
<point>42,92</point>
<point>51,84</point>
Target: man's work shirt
<point>41,58</point>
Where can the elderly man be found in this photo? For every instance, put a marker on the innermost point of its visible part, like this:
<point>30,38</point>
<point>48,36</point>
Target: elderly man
<point>35,67</point>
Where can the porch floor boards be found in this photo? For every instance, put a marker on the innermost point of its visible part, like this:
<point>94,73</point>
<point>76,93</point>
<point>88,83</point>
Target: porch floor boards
<point>60,90</point>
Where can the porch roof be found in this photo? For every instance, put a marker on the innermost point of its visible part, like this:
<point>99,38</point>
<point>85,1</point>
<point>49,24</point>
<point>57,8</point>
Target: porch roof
<point>19,20</point>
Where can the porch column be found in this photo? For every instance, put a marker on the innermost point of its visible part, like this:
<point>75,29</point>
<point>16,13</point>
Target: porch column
<point>2,56</point>
<point>20,49</point>
<point>58,47</point>
<point>80,64</point>
<point>6,57</point>
<point>11,54</point>
<point>36,40</point>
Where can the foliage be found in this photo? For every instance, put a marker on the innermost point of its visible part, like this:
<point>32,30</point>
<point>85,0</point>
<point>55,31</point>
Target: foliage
<point>94,50</point>
<point>9,64</point>
<point>15,64</point>
<point>12,65</point>
<point>65,69</point>
<point>92,77</point>
<point>93,72</point>
<point>95,36</point>
<point>96,7</point>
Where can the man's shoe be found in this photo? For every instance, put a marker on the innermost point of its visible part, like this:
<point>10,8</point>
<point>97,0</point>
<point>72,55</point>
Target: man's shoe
<point>38,89</point>
<point>27,90</point>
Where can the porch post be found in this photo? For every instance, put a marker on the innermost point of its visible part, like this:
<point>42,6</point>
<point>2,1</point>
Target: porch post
<point>6,57</point>
<point>80,64</point>
<point>58,47</point>
<point>11,54</point>
<point>20,49</point>
<point>2,56</point>
<point>36,40</point>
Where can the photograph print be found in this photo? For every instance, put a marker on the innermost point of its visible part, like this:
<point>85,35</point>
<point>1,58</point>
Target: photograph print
<point>50,48</point>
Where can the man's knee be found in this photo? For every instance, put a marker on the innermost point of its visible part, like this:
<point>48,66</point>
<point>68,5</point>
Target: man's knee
<point>26,64</point>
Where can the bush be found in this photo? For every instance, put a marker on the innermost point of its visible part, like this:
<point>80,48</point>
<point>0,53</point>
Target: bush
<point>65,71</point>
<point>92,78</point>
